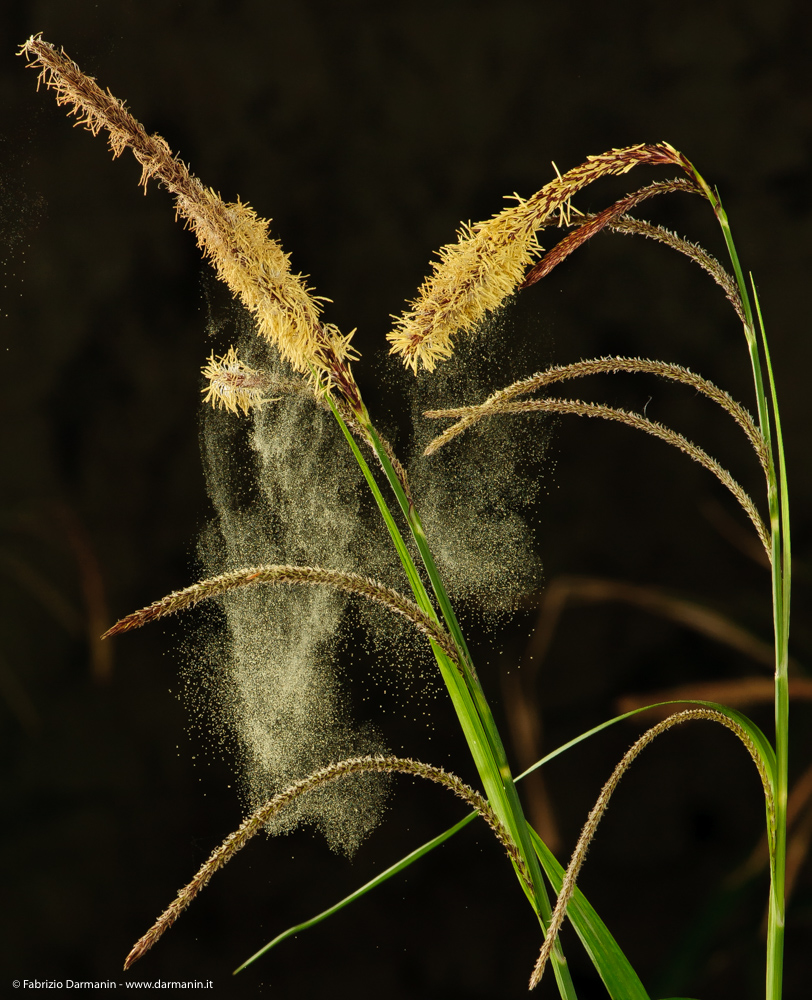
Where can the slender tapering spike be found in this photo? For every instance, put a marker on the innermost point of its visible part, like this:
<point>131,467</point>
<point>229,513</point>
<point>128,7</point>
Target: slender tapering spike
<point>352,583</point>
<point>598,810</point>
<point>593,224</point>
<point>636,420</point>
<point>257,821</point>
<point>595,366</point>
<point>638,227</point>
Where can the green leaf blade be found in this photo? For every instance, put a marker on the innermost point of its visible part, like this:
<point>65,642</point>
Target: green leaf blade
<point>384,876</point>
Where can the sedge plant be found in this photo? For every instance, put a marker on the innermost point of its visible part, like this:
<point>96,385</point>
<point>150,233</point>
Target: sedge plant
<point>471,278</point>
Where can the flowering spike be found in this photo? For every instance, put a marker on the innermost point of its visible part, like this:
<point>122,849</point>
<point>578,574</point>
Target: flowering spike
<point>233,385</point>
<point>475,275</point>
<point>230,234</point>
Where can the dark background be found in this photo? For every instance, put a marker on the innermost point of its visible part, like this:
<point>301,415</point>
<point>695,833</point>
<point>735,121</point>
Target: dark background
<point>368,132</point>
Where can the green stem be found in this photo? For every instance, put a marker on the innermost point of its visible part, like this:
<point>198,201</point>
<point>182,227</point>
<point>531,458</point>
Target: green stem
<point>749,326</point>
<point>467,696</point>
<point>778,501</point>
<point>516,822</point>
<point>782,578</point>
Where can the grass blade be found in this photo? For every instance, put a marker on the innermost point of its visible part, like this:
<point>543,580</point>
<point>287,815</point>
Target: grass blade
<point>363,890</point>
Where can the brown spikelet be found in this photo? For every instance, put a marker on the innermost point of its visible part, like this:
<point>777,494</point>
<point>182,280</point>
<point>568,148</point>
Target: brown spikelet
<point>230,234</point>
<point>352,583</point>
<point>636,420</point>
<point>256,822</point>
<point>595,223</point>
<point>488,262</point>
<point>598,810</point>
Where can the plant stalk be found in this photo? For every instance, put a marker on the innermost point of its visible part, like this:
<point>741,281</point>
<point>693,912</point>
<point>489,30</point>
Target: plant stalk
<point>778,501</point>
<point>467,695</point>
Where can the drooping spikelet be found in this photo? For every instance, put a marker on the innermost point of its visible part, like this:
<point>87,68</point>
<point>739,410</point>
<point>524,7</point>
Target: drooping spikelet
<point>488,262</point>
<point>257,821</point>
<point>230,234</point>
<point>351,583</point>
<point>597,812</point>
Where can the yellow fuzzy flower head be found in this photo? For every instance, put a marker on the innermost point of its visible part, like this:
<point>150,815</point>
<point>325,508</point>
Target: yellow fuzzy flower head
<point>230,234</point>
<point>232,385</point>
<point>488,262</point>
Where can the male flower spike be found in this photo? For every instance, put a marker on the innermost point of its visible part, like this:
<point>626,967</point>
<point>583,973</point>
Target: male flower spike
<point>230,234</point>
<point>488,262</point>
